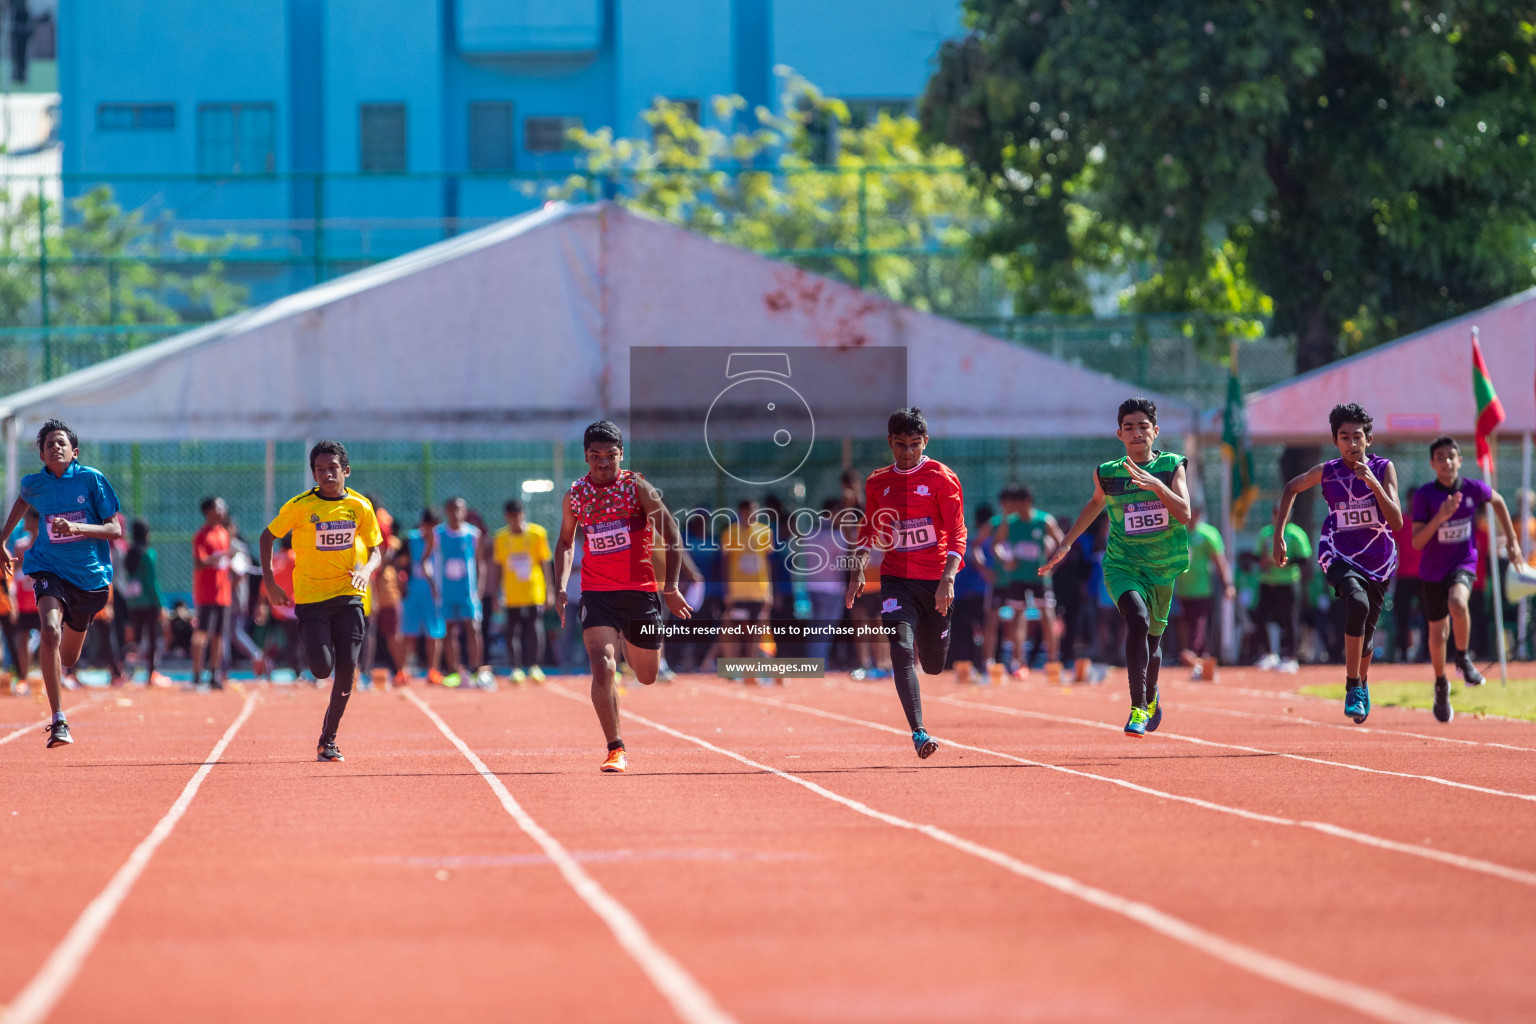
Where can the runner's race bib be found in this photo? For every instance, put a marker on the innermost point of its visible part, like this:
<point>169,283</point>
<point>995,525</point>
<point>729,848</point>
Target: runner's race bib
<point>1454,531</point>
<point>1363,517</point>
<point>1143,517</point>
<point>455,569</point>
<point>520,563</point>
<point>336,536</point>
<point>607,538</point>
<point>1027,551</point>
<point>77,516</point>
<point>915,534</point>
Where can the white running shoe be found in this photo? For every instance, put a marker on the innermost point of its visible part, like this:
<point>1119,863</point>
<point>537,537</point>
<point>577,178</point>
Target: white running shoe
<point>1289,666</point>
<point>1268,663</point>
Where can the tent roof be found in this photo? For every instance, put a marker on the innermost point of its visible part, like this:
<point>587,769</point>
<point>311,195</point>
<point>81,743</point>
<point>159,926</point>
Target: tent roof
<point>1415,388</point>
<point>522,331</point>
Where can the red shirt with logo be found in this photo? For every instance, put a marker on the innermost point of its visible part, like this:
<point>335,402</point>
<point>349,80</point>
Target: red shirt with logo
<point>211,585</point>
<point>617,534</point>
<point>916,516</point>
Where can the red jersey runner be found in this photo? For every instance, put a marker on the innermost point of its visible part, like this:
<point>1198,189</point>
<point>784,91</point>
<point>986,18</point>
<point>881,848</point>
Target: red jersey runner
<point>618,534</point>
<point>916,516</point>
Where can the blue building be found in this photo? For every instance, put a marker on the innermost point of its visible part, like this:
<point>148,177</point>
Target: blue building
<point>419,112</point>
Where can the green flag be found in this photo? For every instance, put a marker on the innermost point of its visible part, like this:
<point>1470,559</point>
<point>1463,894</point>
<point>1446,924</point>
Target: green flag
<point>1234,439</point>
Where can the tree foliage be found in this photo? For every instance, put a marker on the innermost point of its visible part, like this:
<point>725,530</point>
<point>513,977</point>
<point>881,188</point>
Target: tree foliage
<point>1368,166</point>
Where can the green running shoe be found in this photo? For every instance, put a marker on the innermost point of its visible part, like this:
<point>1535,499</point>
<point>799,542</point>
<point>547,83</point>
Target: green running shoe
<point>1136,725</point>
<point>1357,702</point>
<point>1155,713</point>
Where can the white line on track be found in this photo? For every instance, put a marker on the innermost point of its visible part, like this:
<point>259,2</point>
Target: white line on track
<point>1163,734</point>
<point>1337,831</point>
<point>19,733</point>
<point>688,998</point>
<point>1364,1000</point>
<point>1297,720</point>
<point>1249,691</point>
<point>37,1000</point>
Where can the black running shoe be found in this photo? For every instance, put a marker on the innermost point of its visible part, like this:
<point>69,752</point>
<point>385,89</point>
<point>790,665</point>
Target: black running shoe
<point>58,734</point>
<point>328,752</point>
<point>1443,709</point>
<point>1469,673</point>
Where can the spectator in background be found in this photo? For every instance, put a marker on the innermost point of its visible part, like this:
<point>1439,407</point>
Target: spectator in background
<point>522,560</point>
<point>821,556</point>
<point>179,630</point>
<point>27,618</point>
<point>707,596</point>
<point>748,584</point>
<point>384,620</point>
<point>1196,591</point>
<point>970,608</point>
<point>421,610</point>
<point>210,592</point>
<point>1279,597</point>
<point>140,587</point>
<point>242,584</point>
<point>456,558</point>
<point>1408,625</point>
<point>285,618</point>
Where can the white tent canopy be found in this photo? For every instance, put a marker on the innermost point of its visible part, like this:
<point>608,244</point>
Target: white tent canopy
<point>1417,387</point>
<point>522,331</point>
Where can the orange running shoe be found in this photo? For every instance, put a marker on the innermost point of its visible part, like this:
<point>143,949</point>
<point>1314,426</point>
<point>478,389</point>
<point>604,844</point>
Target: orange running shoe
<point>617,761</point>
<point>434,677</point>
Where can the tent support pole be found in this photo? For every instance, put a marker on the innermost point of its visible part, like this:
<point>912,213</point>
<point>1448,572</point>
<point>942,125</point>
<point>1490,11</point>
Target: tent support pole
<point>1523,618</point>
<point>12,428</point>
<point>269,482</point>
<point>1493,578</point>
<point>1228,540</point>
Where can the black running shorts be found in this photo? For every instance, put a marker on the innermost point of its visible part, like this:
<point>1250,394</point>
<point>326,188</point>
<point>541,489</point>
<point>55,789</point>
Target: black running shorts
<point>80,606</point>
<point>623,610</point>
<point>1437,594</point>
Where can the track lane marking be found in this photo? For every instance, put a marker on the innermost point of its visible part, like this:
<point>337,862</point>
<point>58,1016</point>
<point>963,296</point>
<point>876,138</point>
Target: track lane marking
<point>42,993</point>
<point>1364,1000</point>
<point>1296,720</point>
<point>688,998</point>
<point>1161,734</point>
<point>8,737</point>
<point>1327,828</point>
<point>1249,691</point>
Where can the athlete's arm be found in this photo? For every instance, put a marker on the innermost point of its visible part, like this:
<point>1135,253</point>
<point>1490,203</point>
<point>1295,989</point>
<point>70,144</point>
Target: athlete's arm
<point>1175,498</point>
<point>672,537</point>
<point>109,530</point>
<point>1085,518</point>
<point>1507,524</point>
<point>1385,491</point>
<point>18,510</point>
<point>361,574</point>
<point>1222,566</point>
<point>1294,486</point>
<point>276,595</point>
<point>563,554</point>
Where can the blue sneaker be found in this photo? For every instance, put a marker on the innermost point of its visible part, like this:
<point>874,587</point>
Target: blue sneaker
<point>1155,713</point>
<point>1136,725</point>
<point>1357,702</point>
<point>924,744</point>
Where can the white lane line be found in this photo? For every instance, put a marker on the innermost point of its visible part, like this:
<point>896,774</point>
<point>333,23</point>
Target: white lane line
<point>1163,734</point>
<point>1249,691</point>
<point>1337,831</point>
<point>19,733</point>
<point>1297,720</point>
<point>37,1000</point>
<point>688,998</point>
<point>1367,1001</point>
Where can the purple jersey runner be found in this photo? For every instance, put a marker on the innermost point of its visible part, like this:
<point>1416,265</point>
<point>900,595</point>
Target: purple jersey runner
<point>1354,531</point>
<point>1453,546</point>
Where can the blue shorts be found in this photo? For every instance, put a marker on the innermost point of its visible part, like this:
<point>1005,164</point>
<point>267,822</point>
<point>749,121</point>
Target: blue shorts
<point>421,618</point>
<point>461,608</point>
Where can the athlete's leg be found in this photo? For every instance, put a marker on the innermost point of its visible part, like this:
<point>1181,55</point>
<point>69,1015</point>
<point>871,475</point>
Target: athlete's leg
<point>346,628</point>
<point>1461,615</point>
<point>1357,609</point>
<point>989,634</point>
<point>51,612</point>
<point>1154,664</point>
<point>643,662</point>
<point>602,643</point>
<point>1048,627</point>
<point>1438,631</point>
<point>452,646</point>
<point>319,652</point>
<point>1138,624</point>
<point>1376,596</point>
<point>933,637</point>
<point>474,655</point>
<point>1286,612</point>
<point>904,671</point>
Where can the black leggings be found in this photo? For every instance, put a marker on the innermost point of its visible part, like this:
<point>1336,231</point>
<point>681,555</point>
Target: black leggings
<point>525,635</point>
<point>1277,604</point>
<point>1362,599</point>
<point>922,637</point>
<point>331,633</point>
<point>1143,651</point>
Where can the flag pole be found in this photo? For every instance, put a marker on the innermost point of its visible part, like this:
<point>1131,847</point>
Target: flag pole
<point>1229,644</point>
<point>1490,474</point>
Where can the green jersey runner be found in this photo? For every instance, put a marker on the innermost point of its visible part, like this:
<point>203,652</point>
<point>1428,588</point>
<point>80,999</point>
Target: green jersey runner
<point>1148,548</point>
<point>1029,539</point>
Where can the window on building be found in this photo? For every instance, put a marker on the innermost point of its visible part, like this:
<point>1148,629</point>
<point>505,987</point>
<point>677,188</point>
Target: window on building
<point>236,138</point>
<point>113,117</point>
<point>381,130</point>
<point>490,136</point>
<point>549,134</point>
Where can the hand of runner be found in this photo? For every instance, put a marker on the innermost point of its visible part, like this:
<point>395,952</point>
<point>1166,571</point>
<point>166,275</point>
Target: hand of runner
<point>7,561</point>
<point>1277,552</point>
<point>677,604</point>
<point>1142,478</point>
<point>61,527</point>
<point>561,600</point>
<point>1449,506</point>
<point>944,596</point>
<point>1052,562</point>
<point>277,597</point>
<point>1231,592</point>
<point>855,589</point>
<point>1363,472</point>
<point>360,576</point>
<point>1514,554</point>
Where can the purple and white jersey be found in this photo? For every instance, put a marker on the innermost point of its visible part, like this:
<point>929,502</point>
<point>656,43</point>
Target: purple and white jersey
<point>1355,531</point>
<point>1452,547</point>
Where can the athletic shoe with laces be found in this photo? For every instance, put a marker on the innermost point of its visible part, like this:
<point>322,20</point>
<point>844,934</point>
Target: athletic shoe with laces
<point>58,734</point>
<point>1154,713</point>
<point>1136,725</point>
<point>485,679</point>
<point>1357,702</point>
<point>1469,673</point>
<point>617,761</point>
<point>536,674</point>
<point>518,676</point>
<point>328,752</point>
<point>1268,663</point>
<point>1289,666</point>
<point>924,744</point>
<point>434,677</point>
<point>1443,709</point>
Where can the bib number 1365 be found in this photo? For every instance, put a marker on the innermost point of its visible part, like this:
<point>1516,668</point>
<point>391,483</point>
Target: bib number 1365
<point>1145,517</point>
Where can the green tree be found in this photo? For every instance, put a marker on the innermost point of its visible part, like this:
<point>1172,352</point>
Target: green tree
<point>1368,166</point>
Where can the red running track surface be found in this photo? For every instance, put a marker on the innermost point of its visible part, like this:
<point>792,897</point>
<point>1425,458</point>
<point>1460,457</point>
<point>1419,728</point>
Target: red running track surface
<point>1222,880</point>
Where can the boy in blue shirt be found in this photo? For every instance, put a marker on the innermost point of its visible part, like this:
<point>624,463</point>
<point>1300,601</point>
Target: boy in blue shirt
<point>70,561</point>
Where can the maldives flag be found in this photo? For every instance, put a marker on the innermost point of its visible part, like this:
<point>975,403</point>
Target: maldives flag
<point>1490,412</point>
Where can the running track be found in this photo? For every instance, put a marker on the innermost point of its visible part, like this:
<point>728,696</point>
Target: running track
<point>773,855</point>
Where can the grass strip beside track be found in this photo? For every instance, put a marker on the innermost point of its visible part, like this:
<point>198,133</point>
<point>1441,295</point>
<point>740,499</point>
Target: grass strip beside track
<point>1518,700</point>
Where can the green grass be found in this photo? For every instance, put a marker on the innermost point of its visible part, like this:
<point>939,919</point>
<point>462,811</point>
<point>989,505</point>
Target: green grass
<point>1516,701</point>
